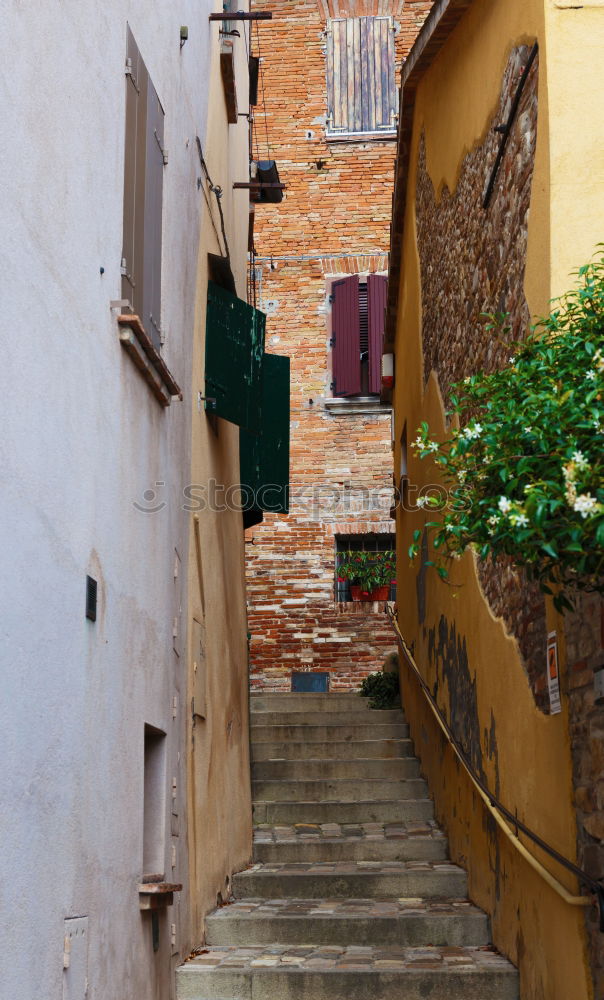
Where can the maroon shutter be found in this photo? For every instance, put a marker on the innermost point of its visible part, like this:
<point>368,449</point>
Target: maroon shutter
<point>346,337</point>
<point>377,286</point>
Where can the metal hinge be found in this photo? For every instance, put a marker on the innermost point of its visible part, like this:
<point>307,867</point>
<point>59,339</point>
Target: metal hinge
<point>162,149</point>
<point>332,341</point>
<point>333,386</point>
<point>129,72</point>
<point>331,299</point>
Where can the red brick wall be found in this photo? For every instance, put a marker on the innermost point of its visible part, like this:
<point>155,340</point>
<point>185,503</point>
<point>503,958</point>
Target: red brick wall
<point>334,219</point>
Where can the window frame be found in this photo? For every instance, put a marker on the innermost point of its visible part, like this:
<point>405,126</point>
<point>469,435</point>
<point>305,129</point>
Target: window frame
<point>346,311</point>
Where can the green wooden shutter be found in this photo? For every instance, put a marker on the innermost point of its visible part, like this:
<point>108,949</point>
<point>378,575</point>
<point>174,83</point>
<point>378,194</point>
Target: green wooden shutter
<point>234,350</point>
<point>361,86</point>
<point>264,458</point>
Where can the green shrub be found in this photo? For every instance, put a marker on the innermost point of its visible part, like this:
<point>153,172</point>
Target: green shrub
<point>526,459</point>
<point>381,689</point>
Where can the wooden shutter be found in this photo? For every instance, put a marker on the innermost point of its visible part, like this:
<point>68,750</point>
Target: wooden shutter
<point>233,365</point>
<point>264,458</point>
<point>346,337</point>
<point>154,178</point>
<point>134,176</point>
<point>361,85</point>
<point>377,287</point>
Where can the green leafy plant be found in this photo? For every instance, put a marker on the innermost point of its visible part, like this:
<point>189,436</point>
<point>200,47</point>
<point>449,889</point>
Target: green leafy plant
<point>525,465</point>
<point>368,570</point>
<point>381,689</point>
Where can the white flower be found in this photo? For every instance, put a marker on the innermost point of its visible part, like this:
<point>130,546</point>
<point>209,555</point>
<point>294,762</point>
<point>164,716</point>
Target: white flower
<point>529,487</point>
<point>422,501</point>
<point>504,505</point>
<point>519,520</point>
<point>418,443</point>
<point>585,504</point>
<point>461,477</point>
<point>432,445</point>
<point>599,360</point>
<point>591,375</point>
<point>449,527</point>
<point>528,430</point>
<point>580,460</point>
<point>471,433</point>
<point>512,360</point>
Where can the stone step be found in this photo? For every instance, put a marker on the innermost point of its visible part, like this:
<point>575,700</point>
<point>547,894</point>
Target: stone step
<point>338,789</point>
<point>358,716</point>
<point>344,750</point>
<point>409,922</point>
<point>289,972</point>
<point>357,880</point>
<point>291,701</point>
<point>306,843</point>
<point>380,811</point>
<point>335,733</point>
<point>377,767</point>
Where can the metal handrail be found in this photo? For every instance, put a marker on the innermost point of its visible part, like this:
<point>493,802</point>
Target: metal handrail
<point>499,812</point>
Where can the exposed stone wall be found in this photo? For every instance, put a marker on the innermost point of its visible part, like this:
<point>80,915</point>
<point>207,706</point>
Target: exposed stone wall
<point>584,629</point>
<point>333,220</point>
<point>472,262</point>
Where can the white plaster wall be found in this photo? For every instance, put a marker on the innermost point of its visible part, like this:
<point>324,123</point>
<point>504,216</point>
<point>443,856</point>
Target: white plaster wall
<point>82,438</point>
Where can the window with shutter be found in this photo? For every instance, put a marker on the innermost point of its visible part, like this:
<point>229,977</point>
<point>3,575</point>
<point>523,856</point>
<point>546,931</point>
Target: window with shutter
<point>346,337</point>
<point>358,315</point>
<point>233,364</point>
<point>264,457</point>
<point>144,160</point>
<point>361,84</point>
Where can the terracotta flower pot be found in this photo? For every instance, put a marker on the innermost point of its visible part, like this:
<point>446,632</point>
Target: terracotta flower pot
<point>380,593</point>
<point>355,592</point>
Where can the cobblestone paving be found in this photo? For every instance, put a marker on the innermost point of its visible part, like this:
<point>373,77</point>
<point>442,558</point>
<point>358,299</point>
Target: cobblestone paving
<point>334,958</point>
<point>266,834</point>
<point>347,908</point>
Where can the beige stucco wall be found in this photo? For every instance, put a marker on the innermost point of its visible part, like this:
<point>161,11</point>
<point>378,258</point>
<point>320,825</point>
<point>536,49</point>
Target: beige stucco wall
<point>218,745</point>
<point>529,762</point>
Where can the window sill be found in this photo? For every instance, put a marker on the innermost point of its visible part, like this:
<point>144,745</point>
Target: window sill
<point>147,359</point>
<point>389,136</point>
<point>362,607</point>
<point>157,895</point>
<point>355,406</point>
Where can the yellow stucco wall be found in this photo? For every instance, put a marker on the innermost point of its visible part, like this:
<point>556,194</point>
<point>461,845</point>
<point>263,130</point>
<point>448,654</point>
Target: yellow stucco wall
<point>220,828</point>
<point>531,766</point>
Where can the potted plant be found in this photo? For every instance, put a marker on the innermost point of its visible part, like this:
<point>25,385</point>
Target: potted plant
<point>368,573</point>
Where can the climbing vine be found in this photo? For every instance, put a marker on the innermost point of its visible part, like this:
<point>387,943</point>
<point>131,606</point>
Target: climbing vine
<point>525,462</point>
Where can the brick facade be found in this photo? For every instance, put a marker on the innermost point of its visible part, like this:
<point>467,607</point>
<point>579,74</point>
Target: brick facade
<point>472,262</point>
<point>334,220</point>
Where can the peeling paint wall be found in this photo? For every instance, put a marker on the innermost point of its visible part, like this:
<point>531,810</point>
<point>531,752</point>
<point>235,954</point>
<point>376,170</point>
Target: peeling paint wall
<point>480,641</point>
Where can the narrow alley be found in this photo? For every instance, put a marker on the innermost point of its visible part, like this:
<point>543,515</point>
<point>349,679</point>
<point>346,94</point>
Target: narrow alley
<point>302,500</point>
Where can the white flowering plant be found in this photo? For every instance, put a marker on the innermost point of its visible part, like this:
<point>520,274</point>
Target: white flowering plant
<point>526,464</point>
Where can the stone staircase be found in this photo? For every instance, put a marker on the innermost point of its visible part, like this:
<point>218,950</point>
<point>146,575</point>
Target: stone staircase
<point>351,896</point>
